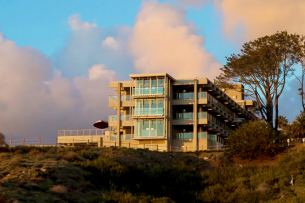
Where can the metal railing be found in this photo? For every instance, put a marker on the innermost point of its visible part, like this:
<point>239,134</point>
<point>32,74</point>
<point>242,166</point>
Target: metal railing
<point>148,111</point>
<point>127,137</point>
<point>85,132</point>
<point>148,91</point>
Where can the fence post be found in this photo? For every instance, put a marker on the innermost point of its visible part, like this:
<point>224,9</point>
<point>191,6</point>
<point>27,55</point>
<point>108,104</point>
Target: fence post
<point>23,141</point>
<point>10,142</point>
<point>114,144</point>
<point>39,142</point>
<point>56,142</point>
<point>144,146</point>
<point>186,148</point>
<point>73,143</point>
<point>202,147</point>
<point>129,144</point>
<point>217,146</point>
<point>157,147</point>
<point>88,142</point>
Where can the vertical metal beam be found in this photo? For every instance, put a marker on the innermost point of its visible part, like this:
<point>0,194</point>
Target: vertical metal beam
<point>118,137</point>
<point>195,106</point>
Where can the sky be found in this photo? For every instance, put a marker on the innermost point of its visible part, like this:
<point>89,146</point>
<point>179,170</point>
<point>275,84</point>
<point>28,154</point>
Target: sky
<point>58,57</point>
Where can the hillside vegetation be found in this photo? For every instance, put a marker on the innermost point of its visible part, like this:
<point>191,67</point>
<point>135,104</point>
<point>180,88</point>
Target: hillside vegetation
<point>30,174</point>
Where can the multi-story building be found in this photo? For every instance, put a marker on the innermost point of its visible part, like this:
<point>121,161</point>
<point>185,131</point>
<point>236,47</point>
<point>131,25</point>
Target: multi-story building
<point>159,111</point>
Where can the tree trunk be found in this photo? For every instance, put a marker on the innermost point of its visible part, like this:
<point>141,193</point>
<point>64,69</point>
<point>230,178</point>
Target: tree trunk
<point>270,114</point>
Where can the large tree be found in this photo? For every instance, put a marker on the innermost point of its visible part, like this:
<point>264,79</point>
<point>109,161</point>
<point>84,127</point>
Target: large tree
<point>263,67</point>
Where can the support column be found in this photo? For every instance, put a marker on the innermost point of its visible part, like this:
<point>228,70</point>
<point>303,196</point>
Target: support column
<point>195,114</point>
<point>118,137</point>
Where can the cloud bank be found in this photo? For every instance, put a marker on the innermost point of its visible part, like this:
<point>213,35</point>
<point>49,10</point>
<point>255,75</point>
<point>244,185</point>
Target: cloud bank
<point>37,101</point>
<point>257,18</point>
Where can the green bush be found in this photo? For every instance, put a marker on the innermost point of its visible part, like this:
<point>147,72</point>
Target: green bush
<point>253,140</point>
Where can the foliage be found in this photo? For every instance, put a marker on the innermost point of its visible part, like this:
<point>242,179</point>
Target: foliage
<point>283,121</point>
<point>127,175</point>
<point>2,140</point>
<point>298,126</point>
<point>255,139</point>
<point>263,67</point>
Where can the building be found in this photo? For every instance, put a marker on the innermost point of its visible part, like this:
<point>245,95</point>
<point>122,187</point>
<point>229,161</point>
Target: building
<point>159,112</point>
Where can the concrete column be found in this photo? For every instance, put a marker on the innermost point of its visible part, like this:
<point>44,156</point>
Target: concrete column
<point>170,114</point>
<point>195,136</point>
<point>118,137</point>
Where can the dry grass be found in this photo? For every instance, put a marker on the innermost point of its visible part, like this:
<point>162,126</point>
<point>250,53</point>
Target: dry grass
<point>60,189</point>
<point>36,154</point>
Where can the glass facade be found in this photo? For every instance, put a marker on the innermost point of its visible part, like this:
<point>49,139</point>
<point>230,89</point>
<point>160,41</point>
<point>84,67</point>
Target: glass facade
<point>149,86</point>
<point>149,128</point>
<point>149,107</point>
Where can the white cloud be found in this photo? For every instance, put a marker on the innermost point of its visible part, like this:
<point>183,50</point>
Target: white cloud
<point>163,40</point>
<point>77,24</point>
<point>194,3</point>
<point>111,42</point>
<point>36,101</point>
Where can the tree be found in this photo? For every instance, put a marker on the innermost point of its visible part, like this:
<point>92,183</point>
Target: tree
<point>301,79</point>
<point>298,126</point>
<point>283,121</point>
<point>263,67</point>
<point>2,140</point>
<point>255,139</point>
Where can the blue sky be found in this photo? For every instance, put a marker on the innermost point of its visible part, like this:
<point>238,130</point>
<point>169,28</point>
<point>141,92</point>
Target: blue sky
<point>66,52</point>
<point>43,24</point>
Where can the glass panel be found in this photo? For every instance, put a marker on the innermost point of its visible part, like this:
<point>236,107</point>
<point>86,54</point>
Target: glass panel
<point>153,86</point>
<point>145,128</point>
<point>160,82</point>
<point>153,103</point>
<point>202,135</point>
<point>146,104</point>
<point>160,127</point>
<point>153,128</point>
<point>160,103</point>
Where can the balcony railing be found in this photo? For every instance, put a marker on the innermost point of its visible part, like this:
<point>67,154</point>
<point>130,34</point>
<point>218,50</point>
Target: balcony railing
<point>148,111</point>
<point>113,137</point>
<point>202,135</point>
<point>202,115</point>
<point>115,118</point>
<point>85,132</point>
<point>127,137</point>
<point>114,98</point>
<point>184,135</point>
<point>148,91</point>
<point>184,95</point>
<point>188,116</point>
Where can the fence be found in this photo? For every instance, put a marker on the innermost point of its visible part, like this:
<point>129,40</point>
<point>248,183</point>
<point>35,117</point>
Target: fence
<point>33,142</point>
<point>161,147</point>
<point>84,132</point>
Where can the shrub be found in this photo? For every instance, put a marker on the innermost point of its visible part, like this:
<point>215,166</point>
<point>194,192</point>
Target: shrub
<point>255,139</point>
<point>2,140</point>
<point>70,156</point>
<point>60,189</point>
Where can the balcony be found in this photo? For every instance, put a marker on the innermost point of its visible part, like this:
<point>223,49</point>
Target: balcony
<point>184,135</point>
<point>125,120</point>
<point>154,91</point>
<point>152,112</point>
<point>125,100</point>
<point>127,137</point>
<point>183,119</point>
<point>150,134</point>
<point>202,135</point>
